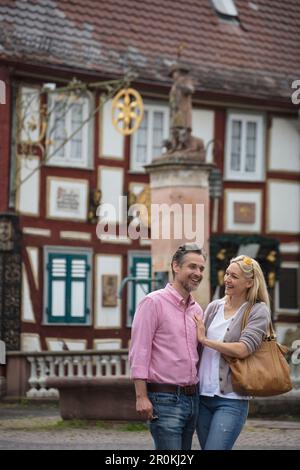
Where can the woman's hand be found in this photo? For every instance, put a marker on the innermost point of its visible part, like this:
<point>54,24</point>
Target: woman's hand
<point>200,329</point>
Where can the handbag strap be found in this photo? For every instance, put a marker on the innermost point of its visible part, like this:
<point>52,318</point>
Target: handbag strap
<point>270,332</point>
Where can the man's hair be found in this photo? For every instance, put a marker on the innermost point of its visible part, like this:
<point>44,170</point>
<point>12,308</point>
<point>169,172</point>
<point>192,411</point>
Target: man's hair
<point>182,250</point>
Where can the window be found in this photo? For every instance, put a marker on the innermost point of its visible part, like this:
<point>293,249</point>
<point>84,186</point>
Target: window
<point>67,294</point>
<point>244,147</point>
<point>140,267</point>
<point>147,141</point>
<point>225,8</point>
<point>67,115</point>
<point>287,297</point>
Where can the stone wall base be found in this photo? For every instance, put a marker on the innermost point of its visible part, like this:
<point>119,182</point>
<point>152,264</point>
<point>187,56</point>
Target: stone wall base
<point>96,398</point>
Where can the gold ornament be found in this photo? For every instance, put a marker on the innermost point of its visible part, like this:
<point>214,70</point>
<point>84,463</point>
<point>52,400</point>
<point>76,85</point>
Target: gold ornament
<point>271,279</point>
<point>247,261</point>
<point>221,277</point>
<point>271,256</point>
<point>127,110</point>
<point>221,254</point>
<point>144,198</point>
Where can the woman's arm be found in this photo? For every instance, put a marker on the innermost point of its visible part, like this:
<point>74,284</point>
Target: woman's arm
<point>236,349</point>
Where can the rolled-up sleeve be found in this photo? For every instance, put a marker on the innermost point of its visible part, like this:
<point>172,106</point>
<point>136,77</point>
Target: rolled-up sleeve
<point>143,329</point>
<point>256,329</point>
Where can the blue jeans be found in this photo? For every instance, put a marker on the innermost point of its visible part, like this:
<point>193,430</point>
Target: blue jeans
<point>220,421</point>
<point>177,417</point>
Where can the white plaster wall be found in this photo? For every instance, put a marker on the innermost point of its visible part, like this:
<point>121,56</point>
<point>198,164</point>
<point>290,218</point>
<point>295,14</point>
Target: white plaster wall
<point>283,207</point>
<point>27,310</point>
<point>28,195</point>
<point>33,254</point>
<point>289,247</point>
<point>30,342</point>
<point>107,317</point>
<point>285,145</point>
<point>111,141</point>
<point>111,186</point>
<point>203,127</point>
<point>107,344</point>
<point>57,344</point>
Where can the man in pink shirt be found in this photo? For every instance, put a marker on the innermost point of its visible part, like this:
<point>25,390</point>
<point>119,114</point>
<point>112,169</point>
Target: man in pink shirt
<point>164,353</point>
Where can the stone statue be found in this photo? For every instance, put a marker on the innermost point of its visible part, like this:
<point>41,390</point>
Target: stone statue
<point>181,98</point>
<point>181,138</point>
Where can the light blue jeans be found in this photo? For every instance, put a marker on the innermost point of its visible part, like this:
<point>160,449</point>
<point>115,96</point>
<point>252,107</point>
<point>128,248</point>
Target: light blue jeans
<point>176,420</point>
<point>220,421</point>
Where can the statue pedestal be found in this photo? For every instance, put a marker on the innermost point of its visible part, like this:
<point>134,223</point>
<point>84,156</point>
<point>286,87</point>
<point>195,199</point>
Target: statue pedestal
<point>179,184</point>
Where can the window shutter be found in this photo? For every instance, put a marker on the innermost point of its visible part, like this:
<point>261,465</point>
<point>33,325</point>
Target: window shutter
<point>67,288</point>
<point>78,285</point>
<point>57,267</point>
<point>141,268</point>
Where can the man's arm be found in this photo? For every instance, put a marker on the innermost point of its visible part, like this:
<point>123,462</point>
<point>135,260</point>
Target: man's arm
<point>143,330</point>
<point>143,404</point>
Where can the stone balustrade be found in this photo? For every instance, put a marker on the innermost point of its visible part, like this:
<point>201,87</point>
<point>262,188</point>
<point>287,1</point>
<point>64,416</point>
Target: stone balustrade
<point>69,364</point>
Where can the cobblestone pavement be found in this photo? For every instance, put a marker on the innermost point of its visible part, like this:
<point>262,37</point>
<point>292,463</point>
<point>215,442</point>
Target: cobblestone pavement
<point>42,428</point>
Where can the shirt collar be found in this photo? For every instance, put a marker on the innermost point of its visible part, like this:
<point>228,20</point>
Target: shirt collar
<point>179,300</point>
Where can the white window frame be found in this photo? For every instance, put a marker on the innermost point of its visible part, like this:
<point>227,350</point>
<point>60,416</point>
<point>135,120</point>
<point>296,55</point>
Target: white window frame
<point>242,175</point>
<point>151,109</point>
<point>87,136</point>
<point>278,310</point>
<point>225,7</point>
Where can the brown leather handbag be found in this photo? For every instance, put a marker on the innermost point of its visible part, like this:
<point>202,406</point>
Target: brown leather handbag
<point>265,372</point>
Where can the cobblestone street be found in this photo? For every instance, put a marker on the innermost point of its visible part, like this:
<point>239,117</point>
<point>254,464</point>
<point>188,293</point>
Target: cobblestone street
<point>41,427</point>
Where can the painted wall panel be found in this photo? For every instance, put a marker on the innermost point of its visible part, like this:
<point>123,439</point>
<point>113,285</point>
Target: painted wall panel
<point>107,317</point>
<point>283,207</point>
<point>285,145</point>
<point>111,186</point>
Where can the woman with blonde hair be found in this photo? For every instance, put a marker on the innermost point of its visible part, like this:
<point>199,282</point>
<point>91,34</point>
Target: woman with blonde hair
<point>223,412</point>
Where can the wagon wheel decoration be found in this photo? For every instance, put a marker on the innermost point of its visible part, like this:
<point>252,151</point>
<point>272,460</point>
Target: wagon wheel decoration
<point>127,111</point>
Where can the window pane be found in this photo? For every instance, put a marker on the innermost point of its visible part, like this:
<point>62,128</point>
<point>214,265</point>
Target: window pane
<point>77,299</point>
<point>142,133</point>
<point>59,132</point>
<point>158,120</point>
<point>288,288</point>
<point>76,122</point>
<point>251,146</point>
<point>58,298</point>
<point>235,158</point>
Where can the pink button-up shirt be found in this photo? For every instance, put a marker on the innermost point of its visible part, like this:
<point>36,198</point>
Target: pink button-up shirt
<point>164,342</point>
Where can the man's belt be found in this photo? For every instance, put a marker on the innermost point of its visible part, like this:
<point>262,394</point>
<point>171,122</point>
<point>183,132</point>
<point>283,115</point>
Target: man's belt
<point>170,388</point>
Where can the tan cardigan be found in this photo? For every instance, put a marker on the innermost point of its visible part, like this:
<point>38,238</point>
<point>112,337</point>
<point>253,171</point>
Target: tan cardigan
<point>252,335</point>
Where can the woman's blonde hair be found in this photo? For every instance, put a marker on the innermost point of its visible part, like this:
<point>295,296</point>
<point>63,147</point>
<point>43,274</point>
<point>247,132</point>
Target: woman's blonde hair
<point>258,292</point>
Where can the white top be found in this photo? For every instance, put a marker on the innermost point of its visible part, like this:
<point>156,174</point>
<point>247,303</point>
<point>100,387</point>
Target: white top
<point>210,359</point>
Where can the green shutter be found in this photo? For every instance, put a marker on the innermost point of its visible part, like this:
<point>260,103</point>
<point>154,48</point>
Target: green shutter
<point>141,268</point>
<point>67,288</point>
